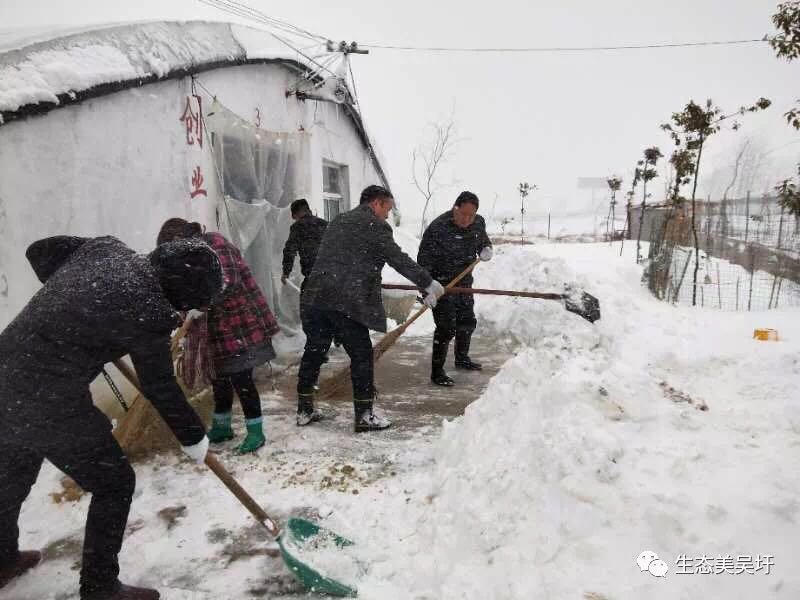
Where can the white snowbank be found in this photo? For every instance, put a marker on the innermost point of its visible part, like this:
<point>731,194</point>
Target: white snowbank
<point>575,459</point>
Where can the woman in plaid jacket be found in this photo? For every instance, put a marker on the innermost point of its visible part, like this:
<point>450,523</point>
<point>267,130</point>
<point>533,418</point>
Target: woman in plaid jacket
<point>240,328</point>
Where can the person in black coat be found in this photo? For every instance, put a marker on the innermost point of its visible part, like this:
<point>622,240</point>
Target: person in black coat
<point>100,301</point>
<point>305,236</point>
<point>449,245</point>
<point>343,298</point>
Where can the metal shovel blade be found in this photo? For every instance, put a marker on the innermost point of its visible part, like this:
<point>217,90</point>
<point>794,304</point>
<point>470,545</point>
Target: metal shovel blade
<point>583,304</point>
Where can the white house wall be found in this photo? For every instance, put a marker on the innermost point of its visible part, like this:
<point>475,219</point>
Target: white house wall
<point>121,164</point>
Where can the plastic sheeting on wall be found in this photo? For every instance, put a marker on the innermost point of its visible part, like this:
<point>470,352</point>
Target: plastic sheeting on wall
<point>260,230</point>
<point>255,164</point>
<point>261,172</point>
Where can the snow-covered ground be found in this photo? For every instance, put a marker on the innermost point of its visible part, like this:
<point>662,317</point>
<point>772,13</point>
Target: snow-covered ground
<point>659,428</point>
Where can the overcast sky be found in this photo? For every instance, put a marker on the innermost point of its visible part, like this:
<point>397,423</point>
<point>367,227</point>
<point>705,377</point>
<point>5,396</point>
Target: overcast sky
<point>544,118</point>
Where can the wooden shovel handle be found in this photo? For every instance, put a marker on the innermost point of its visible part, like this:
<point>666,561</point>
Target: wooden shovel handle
<point>129,374</point>
<point>461,290</point>
<point>407,323</point>
<point>450,285</point>
<point>463,274</point>
<point>237,490</point>
<point>212,463</point>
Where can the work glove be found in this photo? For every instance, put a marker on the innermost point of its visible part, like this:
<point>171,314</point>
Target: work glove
<point>197,452</point>
<point>486,253</point>
<point>432,293</point>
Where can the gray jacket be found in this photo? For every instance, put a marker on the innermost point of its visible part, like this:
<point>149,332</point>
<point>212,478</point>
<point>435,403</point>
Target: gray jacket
<point>347,273</point>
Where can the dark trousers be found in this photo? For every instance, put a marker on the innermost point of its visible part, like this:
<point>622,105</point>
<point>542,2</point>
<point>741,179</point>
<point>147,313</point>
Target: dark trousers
<point>82,447</point>
<point>245,388</point>
<point>454,316</point>
<point>321,326</point>
<point>336,341</point>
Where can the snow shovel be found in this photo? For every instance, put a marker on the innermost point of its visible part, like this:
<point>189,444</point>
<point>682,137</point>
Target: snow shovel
<point>575,301</point>
<point>298,532</point>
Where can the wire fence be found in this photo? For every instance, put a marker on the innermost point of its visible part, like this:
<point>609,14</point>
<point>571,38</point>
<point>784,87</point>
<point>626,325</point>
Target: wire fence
<point>742,254</point>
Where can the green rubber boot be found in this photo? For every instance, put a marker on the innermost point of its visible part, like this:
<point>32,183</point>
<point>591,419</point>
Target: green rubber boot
<point>221,430</point>
<point>255,437</point>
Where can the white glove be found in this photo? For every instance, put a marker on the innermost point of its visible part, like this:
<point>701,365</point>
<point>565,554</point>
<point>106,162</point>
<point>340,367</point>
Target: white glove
<point>486,253</point>
<point>432,293</point>
<point>197,452</point>
<point>194,314</point>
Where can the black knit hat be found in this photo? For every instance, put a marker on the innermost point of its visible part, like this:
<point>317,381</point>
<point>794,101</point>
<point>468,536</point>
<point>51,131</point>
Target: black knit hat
<point>189,272</point>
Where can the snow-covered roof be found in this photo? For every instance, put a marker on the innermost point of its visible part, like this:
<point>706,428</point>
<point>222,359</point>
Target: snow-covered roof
<point>45,68</point>
<point>50,66</point>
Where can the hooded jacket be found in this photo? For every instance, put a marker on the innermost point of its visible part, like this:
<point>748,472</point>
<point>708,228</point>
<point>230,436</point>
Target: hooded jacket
<point>100,301</point>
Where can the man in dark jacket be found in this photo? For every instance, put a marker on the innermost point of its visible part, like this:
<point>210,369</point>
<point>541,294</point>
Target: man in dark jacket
<point>343,298</point>
<point>449,245</point>
<point>305,236</point>
<point>100,301</point>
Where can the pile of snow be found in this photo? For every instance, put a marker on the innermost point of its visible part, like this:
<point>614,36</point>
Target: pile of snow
<point>594,444</point>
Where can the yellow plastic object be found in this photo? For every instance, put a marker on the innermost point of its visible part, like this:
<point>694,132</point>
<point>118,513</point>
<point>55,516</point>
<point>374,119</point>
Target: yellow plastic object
<point>766,335</point>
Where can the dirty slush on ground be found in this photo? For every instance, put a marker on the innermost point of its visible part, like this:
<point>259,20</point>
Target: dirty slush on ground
<point>327,455</point>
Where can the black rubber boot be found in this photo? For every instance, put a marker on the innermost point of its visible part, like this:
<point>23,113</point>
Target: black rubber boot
<point>441,378</point>
<point>438,355</point>
<point>123,592</point>
<point>468,364</point>
<point>463,361</point>
<point>366,419</point>
<point>306,413</point>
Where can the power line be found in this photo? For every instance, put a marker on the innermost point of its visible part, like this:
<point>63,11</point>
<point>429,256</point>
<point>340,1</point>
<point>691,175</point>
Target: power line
<point>242,9</point>
<point>225,6</point>
<point>555,49</point>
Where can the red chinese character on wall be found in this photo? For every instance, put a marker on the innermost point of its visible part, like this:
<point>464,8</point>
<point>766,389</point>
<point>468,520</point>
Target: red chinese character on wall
<point>193,121</point>
<point>197,184</point>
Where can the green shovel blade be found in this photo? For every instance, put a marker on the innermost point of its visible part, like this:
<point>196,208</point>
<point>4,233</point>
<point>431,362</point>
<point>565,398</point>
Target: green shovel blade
<point>299,532</point>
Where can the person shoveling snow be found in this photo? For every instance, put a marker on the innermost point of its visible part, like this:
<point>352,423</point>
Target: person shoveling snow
<point>450,243</point>
<point>100,301</point>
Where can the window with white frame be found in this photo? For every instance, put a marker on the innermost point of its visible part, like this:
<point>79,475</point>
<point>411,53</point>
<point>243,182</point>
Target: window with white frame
<point>335,189</point>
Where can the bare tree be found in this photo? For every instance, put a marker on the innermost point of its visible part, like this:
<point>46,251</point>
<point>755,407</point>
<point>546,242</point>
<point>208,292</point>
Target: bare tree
<point>722,223</point>
<point>690,129</point>
<point>428,157</point>
<point>651,156</point>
